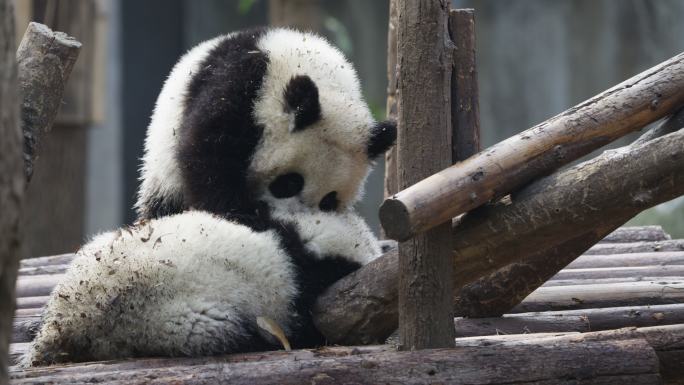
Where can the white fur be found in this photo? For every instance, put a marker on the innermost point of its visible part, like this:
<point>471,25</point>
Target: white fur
<point>160,173</point>
<point>331,153</point>
<point>183,285</point>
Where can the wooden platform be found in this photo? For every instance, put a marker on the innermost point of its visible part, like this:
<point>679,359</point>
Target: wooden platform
<point>633,279</point>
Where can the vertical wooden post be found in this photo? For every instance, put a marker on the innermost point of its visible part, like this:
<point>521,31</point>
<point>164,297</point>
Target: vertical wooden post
<point>424,54</point>
<point>392,106</point>
<point>465,106</point>
<point>11,181</point>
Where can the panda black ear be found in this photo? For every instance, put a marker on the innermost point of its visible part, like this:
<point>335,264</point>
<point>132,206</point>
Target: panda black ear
<point>301,99</point>
<point>383,135</point>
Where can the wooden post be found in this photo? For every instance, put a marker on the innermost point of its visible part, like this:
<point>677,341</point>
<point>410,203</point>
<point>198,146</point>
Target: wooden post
<point>465,105</point>
<point>392,106</point>
<point>424,53</point>
<point>11,181</point>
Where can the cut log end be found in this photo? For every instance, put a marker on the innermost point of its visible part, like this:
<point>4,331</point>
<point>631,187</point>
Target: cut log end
<point>394,216</point>
<point>59,38</point>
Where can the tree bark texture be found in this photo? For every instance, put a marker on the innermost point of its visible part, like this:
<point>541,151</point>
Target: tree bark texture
<point>544,361</point>
<point>45,60</point>
<point>584,320</point>
<point>465,105</point>
<point>424,53</point>
<point>644,233</point>
<point>392,105</point>
<point>556,211</point>
<point>11,180</point>
<point>535,152</point>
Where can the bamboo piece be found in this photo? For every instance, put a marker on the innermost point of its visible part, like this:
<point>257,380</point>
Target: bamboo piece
<point>539,150</point>
<point>424,53</point>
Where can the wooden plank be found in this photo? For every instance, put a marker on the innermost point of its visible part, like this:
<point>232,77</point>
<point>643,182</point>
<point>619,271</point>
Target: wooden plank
<point>423,148</point>
<point>584,320</point>
<point>638,233</point>
<point>551,361</point>
<point>621,272</point>
<point>636,247</point>
<point>628,260</point>
<point>601,295</point>
<point>61,259</point>
<point>537,151</point>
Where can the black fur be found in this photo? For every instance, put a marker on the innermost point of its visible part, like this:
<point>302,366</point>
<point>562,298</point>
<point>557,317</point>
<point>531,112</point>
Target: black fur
<point>159,206</point>
<point>287,185</point>
<point>218,134</point>
<point>301,98</point>
<point>329,202</point>
<point>383,135</point>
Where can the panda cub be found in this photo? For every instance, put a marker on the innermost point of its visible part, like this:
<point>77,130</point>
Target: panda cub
<point>256,152</point>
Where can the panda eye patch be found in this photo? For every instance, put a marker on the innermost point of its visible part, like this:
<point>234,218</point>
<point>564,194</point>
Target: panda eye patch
<point>329,202</point>
<point>287,185</point>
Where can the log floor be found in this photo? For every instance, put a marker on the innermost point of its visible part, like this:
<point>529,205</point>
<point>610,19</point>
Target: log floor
<point>614,316</point>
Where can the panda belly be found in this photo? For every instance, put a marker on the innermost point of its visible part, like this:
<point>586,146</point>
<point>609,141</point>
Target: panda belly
<point>186,285</point>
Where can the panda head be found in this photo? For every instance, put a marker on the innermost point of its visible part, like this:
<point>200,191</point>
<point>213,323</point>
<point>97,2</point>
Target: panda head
<point>267,115</point>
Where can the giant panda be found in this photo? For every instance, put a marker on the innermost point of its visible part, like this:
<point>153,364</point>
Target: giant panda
<point>256,152</point>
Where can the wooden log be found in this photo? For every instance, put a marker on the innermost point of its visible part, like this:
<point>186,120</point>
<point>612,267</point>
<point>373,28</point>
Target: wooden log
<point>424,54</point>
<point>45,60</point>
<point>37,285</point>
<point>24,329</point>
<point>602,295</point>
<point>31,302</point>
<point>61,259</point>
<point>628,260</point>
<point>537,151</point>
<point>667,341</point>
<point>599,281</point>
<point>465,104</point>
<point>620,272</point>
<point>639,233</point>
<point>11,180</point>
<point>391,183</point>
<point>584,320</point>
<point>636,247</point>
<point>551,361</point>
<point>43,270</point>
<point>29,312</point>
<point>493,237</point>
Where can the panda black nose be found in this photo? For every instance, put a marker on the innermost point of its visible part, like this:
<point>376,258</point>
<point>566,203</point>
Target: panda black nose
<point>287,185</point>
<point>329,202</point>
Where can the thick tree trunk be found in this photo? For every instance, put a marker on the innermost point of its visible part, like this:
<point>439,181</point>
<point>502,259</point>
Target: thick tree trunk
<point>542,361</point>
<point>537,151</point>
<point>424,53</point>
<point>585,320</point>
<point>11,180</point>
<point>45,60</point>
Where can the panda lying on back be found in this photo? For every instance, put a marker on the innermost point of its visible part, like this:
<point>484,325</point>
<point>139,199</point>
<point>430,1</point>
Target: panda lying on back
<point>257,150</point>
